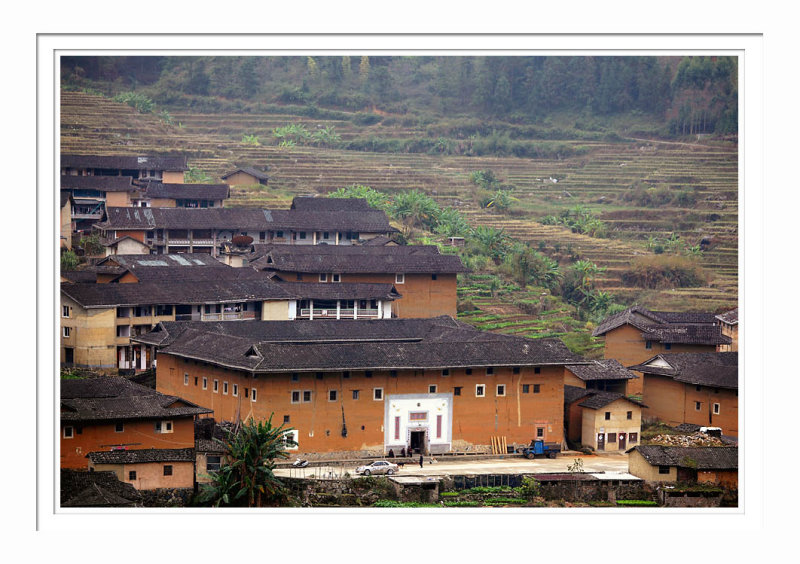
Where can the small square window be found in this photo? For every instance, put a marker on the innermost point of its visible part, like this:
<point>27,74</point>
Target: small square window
<point>168,470</point>
<point>225,388</point>
<point>515,370</point>
<point>132,475</point>
<point>446,372</point>
<point>296,396</point>
<point>246,393</point>
<point>323,277</point>
<point>633,437</point>
<point>286,419</point>
<point>68,432</point>
<point>393,373</point>
<point>216,386</point>
<point>368,374</point>
<point>253,398</point>
<point>65,332</point>
<point>336,277</point>
<point>345,374</point>
<point>355,394</point>
<point>501,390</point>
<point>537,388</point>
<point>205,383</point>
<point>295,377</point>
<point>716,409</point>
<point>235,390</point>
<point>526,388</point>
<point>468,371</point>
<point>432,389</point>
<point>663,469</point>
<point>64,311</point>
<point>489,370</point>
<point>539,432</point>
<point>320,375</point>
<point>608,416</point>
<point>648,345</point>
<point>195,380</point>
<point>629,415</point>
<point>433,277</point>
<point>537,370</point>
<point>119,428</point>
<point>399,278</point>
<point>186,379</point>
<point>480,390</point>
<point>612,437</point>
<point>698,388</point>
<point>213,463</point>
<point>306,396</point>
<point>332,395</point>
<point>667,346</point>
<point>457,391</point>
<point>697,406</point>
<point>377,394</point>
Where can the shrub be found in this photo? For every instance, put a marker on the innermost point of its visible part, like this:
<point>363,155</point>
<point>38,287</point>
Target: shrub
<point>529,488</point>
<point>363,118</point>
<point>664,271</point>
<point>69,260</point>
<point>136,100</point>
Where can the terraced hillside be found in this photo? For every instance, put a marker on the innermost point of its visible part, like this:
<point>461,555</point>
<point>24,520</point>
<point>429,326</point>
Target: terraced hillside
<point>600,178</point>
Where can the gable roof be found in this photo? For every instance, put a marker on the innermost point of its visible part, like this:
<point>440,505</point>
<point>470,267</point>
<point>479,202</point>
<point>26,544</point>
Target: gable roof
<point>99,183</point>
<point>177,268</point>
<point>714,369</point>
<point>574,393</point>
<point>140,162</point>
<point>187,191</point>
<point>594,399</point>
<point>667,326</point>
<point>96,489</point>
<point>393,344</point>
<point>730,317</point>
<point>118,240</point>
<point>247,170</point>
<point>108,398</point>
<point>701,458</point>
<point>247,219</point>
<point>408,259</point>
<point>607,369</point>
<point>322,204</point>
<point>142,456</point>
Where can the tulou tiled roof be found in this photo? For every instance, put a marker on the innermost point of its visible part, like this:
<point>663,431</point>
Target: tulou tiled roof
<point>267,347</point>
<point>178,268</point>
<point>594,399</point>
<point>407,259</point>
<point>261,175</point>
<point>96,489</point>
<point>667,327</point>
<point>99,183</point>
<point>701,458</point>
<point>187,191</point>
<point>245,219</point>
<point>118,399</point>
<point>608,369</point>
<point>137,162</point>
<point>730,317</point>
<point>322,204</point>
<point>714,369</point>
<point>141,456</point>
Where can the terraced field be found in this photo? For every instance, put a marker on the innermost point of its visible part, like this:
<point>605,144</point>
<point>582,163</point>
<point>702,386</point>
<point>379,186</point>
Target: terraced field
<point>599,179</point>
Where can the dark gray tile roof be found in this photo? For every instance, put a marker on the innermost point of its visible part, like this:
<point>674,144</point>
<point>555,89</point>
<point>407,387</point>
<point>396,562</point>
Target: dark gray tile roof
<point>179,268</point>
<point>668,327</point>
<point>245,219</point>
<point>341,291</point>
<point>99,183</point>
<point>379,241</point>
<point>118,399</point>
<point>408,259</point>
<point>714,369</point>
<point>598,399</point>
<point>608,369</point>
<point>96,489</point>
<point>701,458</point>
<point>157,292</point>
<point>140,456</point>
<point>574,393</point>
<point>247,170</point>
<point>354,345</point>
<point>80,275</point>
<point>322,204</point>
<point>187,191</point>
<point>730,317</point>
<point>138,162</point>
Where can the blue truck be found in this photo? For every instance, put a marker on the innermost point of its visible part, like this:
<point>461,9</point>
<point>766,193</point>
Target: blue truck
<point>539,448</point>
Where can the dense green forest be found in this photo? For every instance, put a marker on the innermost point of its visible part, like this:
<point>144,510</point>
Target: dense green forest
<point>676,96</point>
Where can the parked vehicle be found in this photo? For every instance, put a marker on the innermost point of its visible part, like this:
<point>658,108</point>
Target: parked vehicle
<point>300,463</point>
<point>378,467</point>
<point>539,448</point>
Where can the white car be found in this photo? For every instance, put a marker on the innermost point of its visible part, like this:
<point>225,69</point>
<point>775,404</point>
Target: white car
<point>378,467</point>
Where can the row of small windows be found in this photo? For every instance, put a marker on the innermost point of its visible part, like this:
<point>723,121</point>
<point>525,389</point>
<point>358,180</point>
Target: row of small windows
<point>167,472</point>
<point>699,405</point>
<point>490,371</point>
<point>251,394</point>
<point>119,427</point>
<point>306,396</point>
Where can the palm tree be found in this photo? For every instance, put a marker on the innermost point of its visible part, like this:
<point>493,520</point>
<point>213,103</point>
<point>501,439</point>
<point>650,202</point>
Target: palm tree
<point>247,477</point>
<point>493,242</point>
<point>416,209</point>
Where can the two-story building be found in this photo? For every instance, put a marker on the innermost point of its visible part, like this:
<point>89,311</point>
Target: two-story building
<point>162,168</point>
<point>426,278</point>
<point>729,324</point>
<point>697,388</point>
<point>245,176</point>
<point>636,334</point>
<point>140,434</point>
<point>434,385</point>
<point>704,465</point>
<point>604,421</point>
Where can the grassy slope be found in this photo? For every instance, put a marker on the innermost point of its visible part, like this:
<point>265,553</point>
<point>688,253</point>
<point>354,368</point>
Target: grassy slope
<point>597,179</point>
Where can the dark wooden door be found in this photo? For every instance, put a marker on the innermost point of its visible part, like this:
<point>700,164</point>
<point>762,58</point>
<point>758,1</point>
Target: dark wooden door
<point>622,441</point>
<point>601,441</point>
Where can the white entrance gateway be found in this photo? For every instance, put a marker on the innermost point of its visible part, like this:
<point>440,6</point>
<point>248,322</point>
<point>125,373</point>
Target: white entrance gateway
<point>424,421</point>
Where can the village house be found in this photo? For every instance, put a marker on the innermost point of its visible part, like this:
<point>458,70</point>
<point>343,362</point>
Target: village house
<point>180,230</point>
<point>636,334</point>
<point>604,421</point>
<point>603,375</point>
<point>697,388</point>
<point>67,225</point>
<point>705,465</point>
<point>245,176</point>
<point>436,385</point>
<point>426,278</point>
<point>169,169</point>
<point>729,323</point>
<point>105,419</point>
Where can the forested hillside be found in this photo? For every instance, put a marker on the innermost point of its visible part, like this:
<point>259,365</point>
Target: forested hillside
<point>665,96</point>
